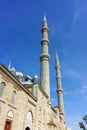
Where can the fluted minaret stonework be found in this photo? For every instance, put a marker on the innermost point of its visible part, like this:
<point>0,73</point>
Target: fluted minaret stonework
<point>59,90</point>
<point>44,58</point>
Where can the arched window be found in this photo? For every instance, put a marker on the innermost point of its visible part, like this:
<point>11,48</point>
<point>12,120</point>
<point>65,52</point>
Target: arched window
<point>9,119</point>
<point>13,98</point>
<point>2,86</point>
<point>28,121</point>
<point>10,114</point>
<point>27,128</point>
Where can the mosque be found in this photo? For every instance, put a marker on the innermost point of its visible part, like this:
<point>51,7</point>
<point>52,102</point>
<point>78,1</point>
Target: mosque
<point>25,102</point>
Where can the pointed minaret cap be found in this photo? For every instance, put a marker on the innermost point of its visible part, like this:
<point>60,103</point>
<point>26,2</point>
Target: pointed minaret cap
<point>44,24</point>
<point>56,55</point>
<point>45,19</point>
<point>57,60</point>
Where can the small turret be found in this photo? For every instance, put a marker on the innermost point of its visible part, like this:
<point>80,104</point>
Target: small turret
<point>11,69</point>
<point>35,79</point>
<point>9,66</point>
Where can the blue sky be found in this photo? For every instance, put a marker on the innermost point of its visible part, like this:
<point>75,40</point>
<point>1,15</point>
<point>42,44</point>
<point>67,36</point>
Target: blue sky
<point>20,25</point>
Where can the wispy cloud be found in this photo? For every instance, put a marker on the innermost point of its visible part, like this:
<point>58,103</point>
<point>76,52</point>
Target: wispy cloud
<point>73,122</point>
<point>71,73</point>
<point>53,99</point>
<point>69,129</point>
<point>85,97</point>
<point>67,93</point>
<point>74,126</point>
<point>83,90</point>
<point>75,19</point>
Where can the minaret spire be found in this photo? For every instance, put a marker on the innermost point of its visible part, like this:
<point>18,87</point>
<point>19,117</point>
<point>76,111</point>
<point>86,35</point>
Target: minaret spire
<point>57,60</point>
<point>44,58</point>
<point>59,90</point>
<point>45,19</point>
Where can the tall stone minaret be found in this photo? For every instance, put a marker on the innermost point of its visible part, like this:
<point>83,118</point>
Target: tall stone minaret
<point>44,58</point>
<point>59,90</point>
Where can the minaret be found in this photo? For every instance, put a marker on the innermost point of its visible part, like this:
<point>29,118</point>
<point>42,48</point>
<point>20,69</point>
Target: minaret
<point>44,58</point>
<point>59,90</point>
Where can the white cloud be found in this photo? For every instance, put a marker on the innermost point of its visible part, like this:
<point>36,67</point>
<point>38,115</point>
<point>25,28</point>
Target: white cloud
<point>74,126</point>
<point>67,93</point>
<point>83,90</point>
<point>69,129</point>
<point>75,19</point>
<point>53,99</point>
<point>71,73</point>
<point>86,97</point>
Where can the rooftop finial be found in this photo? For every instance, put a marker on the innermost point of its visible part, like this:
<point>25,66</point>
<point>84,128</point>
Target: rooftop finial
<point>9,66</point>
<point>45,17</point>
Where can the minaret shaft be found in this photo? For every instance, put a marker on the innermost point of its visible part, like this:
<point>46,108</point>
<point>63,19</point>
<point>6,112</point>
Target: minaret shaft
<point>45,34</point>
<point>59,90</point>
<point>44,58</point>
<point>44,49</point>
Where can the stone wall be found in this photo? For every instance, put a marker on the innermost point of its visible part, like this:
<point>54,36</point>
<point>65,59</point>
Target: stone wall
<point>44,116</point>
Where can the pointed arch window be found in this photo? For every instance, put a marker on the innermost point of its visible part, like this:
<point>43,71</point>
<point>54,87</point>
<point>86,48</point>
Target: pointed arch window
<point>2,86</point>
<point>13,98</point>
<point>28,121</point>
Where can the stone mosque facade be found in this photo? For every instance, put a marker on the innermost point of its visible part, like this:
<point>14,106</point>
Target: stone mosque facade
<point>24,102</point>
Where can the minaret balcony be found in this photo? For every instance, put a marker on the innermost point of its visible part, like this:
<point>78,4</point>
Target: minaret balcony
<point>59,90</point>
<point>44,41</point>
<point>44,29</point>
<point>59,77</point>
<point>44,57</point>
